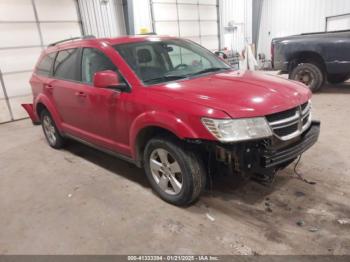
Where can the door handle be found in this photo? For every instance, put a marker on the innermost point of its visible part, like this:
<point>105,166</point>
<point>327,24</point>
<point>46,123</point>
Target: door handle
<point>80,94</point>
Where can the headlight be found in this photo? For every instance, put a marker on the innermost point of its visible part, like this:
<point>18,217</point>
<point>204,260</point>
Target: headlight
<point>233,130</point>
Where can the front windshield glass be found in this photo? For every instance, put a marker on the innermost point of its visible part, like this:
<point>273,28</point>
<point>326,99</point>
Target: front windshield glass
<point>162,61</point>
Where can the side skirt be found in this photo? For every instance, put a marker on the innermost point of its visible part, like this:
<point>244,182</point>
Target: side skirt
<point>107,151</point>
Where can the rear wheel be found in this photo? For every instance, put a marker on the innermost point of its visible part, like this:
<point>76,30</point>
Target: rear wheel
<point>176,174</point>
<point>309,74</point>
<point>337,78</point>
<point>52,135</point>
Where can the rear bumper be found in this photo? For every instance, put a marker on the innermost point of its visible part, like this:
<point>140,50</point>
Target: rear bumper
<point>30,110</point>
<point>272,158</point>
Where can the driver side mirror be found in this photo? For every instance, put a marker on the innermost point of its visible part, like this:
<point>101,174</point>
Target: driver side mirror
<point>109,79</point>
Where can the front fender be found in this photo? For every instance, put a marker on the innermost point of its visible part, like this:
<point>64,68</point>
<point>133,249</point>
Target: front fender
<point>164,120</point>
<point>42,99</point>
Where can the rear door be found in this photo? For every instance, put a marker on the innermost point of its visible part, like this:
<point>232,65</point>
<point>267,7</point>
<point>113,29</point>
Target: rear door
<point>68,92</point>
<point>40,80</point>
<point>87,112</point>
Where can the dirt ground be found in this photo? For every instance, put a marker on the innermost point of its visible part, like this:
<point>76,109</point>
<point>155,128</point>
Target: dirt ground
<point>81,201</point>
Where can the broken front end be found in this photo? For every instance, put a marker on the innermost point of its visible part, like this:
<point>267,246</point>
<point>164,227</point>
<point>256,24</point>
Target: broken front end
<point>292,132</point>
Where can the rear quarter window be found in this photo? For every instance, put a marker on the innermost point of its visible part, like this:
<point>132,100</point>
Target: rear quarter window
<point>44,67</point>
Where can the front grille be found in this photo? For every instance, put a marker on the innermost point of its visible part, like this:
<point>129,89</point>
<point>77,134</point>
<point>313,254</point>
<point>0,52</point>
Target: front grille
<point>281,115</point>
<point>305,120</point>
<point>290,123</point>
<point>286,130</point>
<point>303,106</point>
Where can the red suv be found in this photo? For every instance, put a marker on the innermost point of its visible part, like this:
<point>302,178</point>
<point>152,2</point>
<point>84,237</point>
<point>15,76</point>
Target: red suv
<point>172,107</point>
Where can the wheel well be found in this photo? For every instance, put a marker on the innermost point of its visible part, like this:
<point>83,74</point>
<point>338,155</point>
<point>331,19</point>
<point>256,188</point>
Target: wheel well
<point>39,108</point>
<point>145,135</point>
<point>307,57</point>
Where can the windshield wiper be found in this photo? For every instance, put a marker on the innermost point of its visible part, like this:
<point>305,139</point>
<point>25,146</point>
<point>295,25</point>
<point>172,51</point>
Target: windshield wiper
<point>208,70</point>
<point>176,77</point>
<point>165,78</point>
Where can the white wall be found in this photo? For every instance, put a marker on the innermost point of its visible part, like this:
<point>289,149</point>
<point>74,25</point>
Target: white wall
<point>338,23</point>
<point>26,27</point>
<point>239,11</point>
<point>192,19</point>
<point>142,15</point>
<point>102,18</point>
<point>286,17</point>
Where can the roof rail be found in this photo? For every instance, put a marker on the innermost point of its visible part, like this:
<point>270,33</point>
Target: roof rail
<point>72,38</point>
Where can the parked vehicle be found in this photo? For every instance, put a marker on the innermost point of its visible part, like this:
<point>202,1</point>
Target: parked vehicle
<point>172,107</point>
<point>313,58</point>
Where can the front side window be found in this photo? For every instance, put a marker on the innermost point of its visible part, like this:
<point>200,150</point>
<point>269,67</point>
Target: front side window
<point>66,65</point>
<point>161,61</point>
<point>94,61</point>
<point>45,65</point>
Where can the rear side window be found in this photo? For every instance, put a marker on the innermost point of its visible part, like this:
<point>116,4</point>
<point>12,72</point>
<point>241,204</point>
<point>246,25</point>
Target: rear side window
<point>66,65</point>
<point>45,65</point>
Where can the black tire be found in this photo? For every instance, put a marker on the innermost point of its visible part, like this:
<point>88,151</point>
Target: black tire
<point>313,73</point>
<point>193,175</point>
<point>337,78</point>
<point>54,139</point>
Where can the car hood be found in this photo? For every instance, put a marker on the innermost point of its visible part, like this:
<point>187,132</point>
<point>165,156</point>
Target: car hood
<point>239,93</point>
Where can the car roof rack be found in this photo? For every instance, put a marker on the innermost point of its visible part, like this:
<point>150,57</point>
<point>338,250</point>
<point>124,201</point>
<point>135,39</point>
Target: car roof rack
<point>72,38</point>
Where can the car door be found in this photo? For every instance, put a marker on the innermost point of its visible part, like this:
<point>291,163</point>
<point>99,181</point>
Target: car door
<point>68,92</point>
<point>41,78</point>
<point>101,104</point>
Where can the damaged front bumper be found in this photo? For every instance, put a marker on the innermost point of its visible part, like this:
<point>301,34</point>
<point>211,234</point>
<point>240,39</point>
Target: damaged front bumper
<point>264,157</point>
<point>272,157</point>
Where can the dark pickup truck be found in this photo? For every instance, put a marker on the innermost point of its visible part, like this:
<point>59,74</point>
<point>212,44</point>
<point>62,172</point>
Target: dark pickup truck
<point>313,58</point>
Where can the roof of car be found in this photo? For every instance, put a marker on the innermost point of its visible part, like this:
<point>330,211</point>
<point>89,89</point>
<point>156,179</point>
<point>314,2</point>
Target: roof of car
<point>109,41</point>
<point>130,39</point>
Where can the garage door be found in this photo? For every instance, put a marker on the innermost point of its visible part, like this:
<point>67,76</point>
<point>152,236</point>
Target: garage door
<point>337,23</point>
<point>193,19</point>
<point>26,27</point>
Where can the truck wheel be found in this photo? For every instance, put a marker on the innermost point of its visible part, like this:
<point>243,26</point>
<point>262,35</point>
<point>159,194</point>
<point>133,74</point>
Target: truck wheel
<point>337,78</point>
<point>176,174</point>
<point>52,135</point>
<point>309,74</point>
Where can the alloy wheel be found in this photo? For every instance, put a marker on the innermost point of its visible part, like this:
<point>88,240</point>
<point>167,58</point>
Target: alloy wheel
<point>49,130</point>
<point>166,171</point>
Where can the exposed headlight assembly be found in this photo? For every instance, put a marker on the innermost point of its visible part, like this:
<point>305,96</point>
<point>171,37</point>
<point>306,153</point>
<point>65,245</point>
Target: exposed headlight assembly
<point>234,130</point>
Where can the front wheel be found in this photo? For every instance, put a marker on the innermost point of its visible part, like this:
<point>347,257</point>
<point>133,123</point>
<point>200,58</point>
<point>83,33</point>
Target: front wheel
<point>176,174</point>
<point>309,74</point>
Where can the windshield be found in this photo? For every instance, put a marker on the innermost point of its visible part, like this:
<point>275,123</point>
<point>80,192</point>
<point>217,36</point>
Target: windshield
<point>162,61</point>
